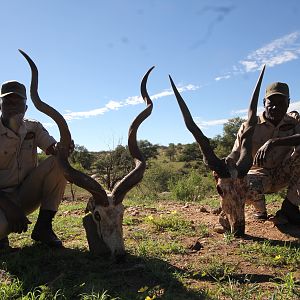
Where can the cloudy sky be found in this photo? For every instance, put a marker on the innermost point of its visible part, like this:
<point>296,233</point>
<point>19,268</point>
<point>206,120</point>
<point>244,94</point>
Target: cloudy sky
<point>92,55</point>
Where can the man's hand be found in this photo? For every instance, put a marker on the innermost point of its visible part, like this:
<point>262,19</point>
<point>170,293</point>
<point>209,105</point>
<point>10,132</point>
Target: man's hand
<point>54,148</point>
<point>262,153</point>
<point>17,221</point>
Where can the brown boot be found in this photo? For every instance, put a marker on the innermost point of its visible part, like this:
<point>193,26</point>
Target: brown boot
<point>43,231</point>
<point>290,211</point>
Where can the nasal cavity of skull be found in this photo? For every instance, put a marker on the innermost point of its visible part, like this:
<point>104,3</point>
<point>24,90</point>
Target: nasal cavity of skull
<point>97,216</point>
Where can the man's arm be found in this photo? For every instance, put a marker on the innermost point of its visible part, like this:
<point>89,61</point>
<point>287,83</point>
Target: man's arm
<point>52,149</point>
<point>262,152</point>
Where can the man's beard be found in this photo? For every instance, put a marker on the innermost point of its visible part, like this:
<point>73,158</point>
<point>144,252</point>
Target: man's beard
<point>15,122</point>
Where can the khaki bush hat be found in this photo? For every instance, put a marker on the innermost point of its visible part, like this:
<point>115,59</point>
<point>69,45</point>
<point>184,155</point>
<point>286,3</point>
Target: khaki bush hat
<point>13,87</point>
<point>278,88</point>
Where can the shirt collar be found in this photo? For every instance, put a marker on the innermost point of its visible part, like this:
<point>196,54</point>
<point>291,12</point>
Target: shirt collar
<point>4,130</point>
<point>262,119</point>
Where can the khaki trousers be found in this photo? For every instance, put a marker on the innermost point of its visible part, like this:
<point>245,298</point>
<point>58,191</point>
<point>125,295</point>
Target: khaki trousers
<point>44,187</point>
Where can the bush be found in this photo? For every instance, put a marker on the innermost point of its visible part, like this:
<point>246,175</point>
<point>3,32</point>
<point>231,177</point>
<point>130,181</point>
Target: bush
<point>192,187</point>
<point>157,177</point>
<point>155,181</point>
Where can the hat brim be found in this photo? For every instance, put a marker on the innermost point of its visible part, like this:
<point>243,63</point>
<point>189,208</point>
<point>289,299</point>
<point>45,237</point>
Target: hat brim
<point>10,93</point>
<point>276,93</point>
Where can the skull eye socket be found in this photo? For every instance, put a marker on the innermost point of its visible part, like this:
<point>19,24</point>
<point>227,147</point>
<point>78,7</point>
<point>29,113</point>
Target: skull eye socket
<point>220,191</point>
<point>97,216</point>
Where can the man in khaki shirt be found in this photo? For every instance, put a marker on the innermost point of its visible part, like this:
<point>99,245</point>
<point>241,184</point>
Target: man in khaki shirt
<point>25,185</point>
<point>276,154</point>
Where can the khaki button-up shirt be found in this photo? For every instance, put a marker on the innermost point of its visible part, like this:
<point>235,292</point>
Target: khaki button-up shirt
<point>265,130</point>
<point>18,152</point>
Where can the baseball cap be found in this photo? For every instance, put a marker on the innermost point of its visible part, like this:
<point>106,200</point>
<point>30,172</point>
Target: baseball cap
<point>13,87</point>
<point>278,88</point>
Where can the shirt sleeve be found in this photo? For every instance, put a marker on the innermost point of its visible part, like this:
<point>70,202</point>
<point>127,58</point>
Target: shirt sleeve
<point>43,138</point>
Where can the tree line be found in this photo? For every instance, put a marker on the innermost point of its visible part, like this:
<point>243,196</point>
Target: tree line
<point>166,165</point>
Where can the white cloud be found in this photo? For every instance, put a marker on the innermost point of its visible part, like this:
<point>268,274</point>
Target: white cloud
<point>295,106</point>
<point>222,77</point>
<point>134,100</point>
<point>115,105</point>
<point>277,52</point>
<point>205,124</point>
<point>162,94</point>
<point>85,114</point>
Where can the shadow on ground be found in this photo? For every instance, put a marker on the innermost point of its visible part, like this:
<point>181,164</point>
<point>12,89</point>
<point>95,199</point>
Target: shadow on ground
<point>289,229</point>
<point>291,244</point>
<point>76,272</point>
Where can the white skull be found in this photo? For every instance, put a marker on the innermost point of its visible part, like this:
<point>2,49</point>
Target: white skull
<point>109,221</point>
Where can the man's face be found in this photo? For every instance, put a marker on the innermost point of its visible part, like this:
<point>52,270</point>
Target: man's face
<point>276,107</point>
<point>12,105</point>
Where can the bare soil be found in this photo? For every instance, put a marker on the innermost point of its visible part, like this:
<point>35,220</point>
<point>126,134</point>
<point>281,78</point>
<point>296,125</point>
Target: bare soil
<point>200,251</point>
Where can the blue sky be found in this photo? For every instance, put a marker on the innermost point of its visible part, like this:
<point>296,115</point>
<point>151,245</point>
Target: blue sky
<point>92,55</point>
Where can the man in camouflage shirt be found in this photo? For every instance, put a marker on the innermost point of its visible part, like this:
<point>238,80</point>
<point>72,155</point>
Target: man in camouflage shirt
<point>276,154</point>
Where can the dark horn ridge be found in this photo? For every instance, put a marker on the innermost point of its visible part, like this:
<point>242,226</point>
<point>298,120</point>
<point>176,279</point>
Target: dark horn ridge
<point>246,160</point>
<point>136,175</point>
<point>70,173</point>
<point>209,157</point>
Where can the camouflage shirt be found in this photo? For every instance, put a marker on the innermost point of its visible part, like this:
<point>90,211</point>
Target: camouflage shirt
<point>264,131</point>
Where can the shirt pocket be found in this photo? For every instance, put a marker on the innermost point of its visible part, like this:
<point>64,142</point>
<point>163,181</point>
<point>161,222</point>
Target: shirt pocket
<point>7,155</point>
<point>26,153</point>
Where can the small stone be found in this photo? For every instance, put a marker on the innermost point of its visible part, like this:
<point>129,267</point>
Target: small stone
<point>196,247</point>
<point>216,211</point>
<point>219,229</point>
<point>203,209</point>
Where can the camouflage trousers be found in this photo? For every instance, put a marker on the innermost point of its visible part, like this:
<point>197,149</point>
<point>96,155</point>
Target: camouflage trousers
<point>286,175</point>
<point>255,185</point>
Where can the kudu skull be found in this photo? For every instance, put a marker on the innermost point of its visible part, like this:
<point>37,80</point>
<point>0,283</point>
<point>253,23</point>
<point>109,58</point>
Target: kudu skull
<point>106,208</point>
<point>230,177</point>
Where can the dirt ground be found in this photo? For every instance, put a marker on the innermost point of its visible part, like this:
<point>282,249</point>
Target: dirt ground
<point>214,245</point>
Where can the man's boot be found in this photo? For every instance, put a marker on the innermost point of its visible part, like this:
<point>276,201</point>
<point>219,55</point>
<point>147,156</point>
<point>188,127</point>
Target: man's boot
<point>43,231</point>
<point>260,212</point>
<point>290,211</point>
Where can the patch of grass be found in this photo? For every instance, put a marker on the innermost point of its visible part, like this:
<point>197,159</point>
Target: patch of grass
<point>10,289</point>
<point>234,290</point>
<point>138,234</point>
<point>213,201</point>
<point>144,202</point>
<point>289,288</point>
<point>157,259</point>
<point>274,255</point>
<point>158,248</point>
<point>97,296</point>
<point>171,223</point>
<point>228,237</point>
<point>218,270</point>
<point>130,221</point>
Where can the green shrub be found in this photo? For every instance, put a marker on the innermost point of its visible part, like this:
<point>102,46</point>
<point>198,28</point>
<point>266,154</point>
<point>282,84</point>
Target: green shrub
<point>192,187</point>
